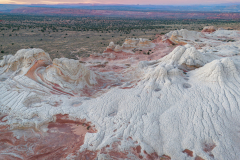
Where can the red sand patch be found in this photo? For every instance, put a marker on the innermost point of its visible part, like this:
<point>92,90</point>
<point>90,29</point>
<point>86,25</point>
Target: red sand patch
<point>188,152</point>
<point>160,50</point>
<point>208,147</point>
<point>64,137</point>
<point>114,152</point>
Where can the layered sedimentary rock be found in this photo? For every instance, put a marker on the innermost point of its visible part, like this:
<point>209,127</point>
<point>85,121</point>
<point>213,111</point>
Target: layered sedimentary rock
<point>69,73</point>
<point>209,29</point>
<point>137,43</point>
<point>183,36</point>
<point>131,43</point>
<point>177,102</point>
<point>23,60</point>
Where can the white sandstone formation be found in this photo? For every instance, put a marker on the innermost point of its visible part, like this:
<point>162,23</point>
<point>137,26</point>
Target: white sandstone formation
<point>188,57</point>
<point>187,100</point>
<point>24,59</point>
<point>224,49</point>
<point>209,29</point>
<point>131,43</point>
<point>69,73</point>
<point>111,46</point>
<point>118,48</point>
<point>184,36</point>
<point>139,43</point>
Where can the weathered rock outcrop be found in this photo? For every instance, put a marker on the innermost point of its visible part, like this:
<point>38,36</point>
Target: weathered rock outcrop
<point>129,44</point>
<point>24,59</point>
<point>177,102</point>
<point>183,36</point>
<point>69,73</point>
<point>209,29</point>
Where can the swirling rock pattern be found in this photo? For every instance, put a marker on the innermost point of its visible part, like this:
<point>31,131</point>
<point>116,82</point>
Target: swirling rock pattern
<point>177,102</point>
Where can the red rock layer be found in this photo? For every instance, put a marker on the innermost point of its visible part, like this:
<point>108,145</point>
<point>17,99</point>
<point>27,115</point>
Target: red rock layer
<point>63,138</point>
<point>113,152</point>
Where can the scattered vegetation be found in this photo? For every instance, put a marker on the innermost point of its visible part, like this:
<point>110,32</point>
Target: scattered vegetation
<point>80,36</point>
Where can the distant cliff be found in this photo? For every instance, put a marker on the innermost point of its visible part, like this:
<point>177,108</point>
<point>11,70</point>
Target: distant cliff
<point>132,14</point>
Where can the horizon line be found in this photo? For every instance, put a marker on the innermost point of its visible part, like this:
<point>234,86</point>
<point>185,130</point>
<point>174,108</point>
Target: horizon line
<point>120,4</point>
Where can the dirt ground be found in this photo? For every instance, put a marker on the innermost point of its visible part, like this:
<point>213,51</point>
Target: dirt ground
<point>67,43</point>
<point>64,44</point>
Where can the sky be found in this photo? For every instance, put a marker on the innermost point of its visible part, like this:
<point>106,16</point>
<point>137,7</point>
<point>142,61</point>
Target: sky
<point>158,2</point>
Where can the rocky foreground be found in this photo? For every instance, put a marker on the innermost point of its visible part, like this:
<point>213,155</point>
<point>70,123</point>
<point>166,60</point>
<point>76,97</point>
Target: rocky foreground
<point>176,97</point>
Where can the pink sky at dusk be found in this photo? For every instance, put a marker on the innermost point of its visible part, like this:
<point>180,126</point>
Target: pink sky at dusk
<point>158,2</point>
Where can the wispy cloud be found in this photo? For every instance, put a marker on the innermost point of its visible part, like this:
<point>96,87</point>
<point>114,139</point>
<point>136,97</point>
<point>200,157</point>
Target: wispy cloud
<point>159,2</point>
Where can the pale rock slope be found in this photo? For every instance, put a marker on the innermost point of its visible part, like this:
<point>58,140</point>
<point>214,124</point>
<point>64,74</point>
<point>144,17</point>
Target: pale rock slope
<point>184,36</point>
<point>224,49</point>
<point>200,39</point>
<point>131,43</point>
<point>181,104</point>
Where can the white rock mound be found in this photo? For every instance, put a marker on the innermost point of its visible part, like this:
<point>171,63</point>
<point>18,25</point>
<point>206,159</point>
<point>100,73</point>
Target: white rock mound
<point>225,49</point>
<point>131,43</point>
<point>184,36</point>
<point>226,33</point>
<point>139,43</point>
<point>24,59</point>
<point>187,57</point>
<point>219,71</point>
<point>209,29</point>
<point>69,73</point>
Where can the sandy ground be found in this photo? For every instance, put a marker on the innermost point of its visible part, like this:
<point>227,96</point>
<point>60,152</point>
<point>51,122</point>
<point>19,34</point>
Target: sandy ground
<point>77,43</point>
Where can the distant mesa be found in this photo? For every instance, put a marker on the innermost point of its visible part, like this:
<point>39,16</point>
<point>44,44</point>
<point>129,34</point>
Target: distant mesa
<point>169,14</point>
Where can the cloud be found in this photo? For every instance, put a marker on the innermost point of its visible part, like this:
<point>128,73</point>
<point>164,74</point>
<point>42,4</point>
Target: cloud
<point>159,2</point>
